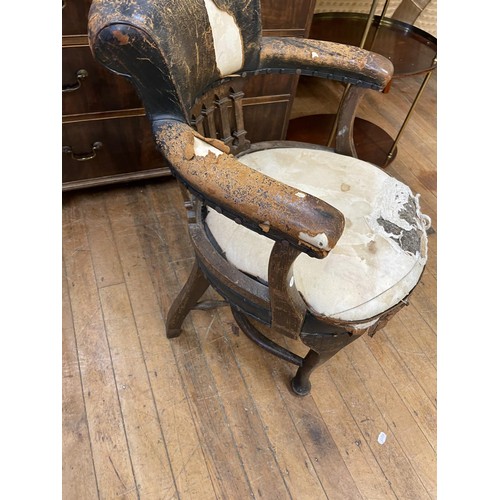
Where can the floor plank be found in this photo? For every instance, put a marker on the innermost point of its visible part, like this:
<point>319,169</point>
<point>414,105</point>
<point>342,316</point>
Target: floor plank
<point>78,474</point>
<point>148,452</point>
<point>365,470</point>
<point>146,442</point>
<point>417,362</point>
<point>175,415</point>
<point>398,416</point>
<point>407,386</point>
<point>114,472</point>
<point>391,457</point>
<point>201,386</point>
<point>291,455</point>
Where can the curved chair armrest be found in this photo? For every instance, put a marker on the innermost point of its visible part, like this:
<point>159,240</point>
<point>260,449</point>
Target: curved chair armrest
<point>332,60</point>
<point>247,196</point>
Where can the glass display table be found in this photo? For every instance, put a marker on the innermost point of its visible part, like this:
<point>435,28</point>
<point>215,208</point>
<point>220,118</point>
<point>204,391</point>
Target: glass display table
<point>412,52</point>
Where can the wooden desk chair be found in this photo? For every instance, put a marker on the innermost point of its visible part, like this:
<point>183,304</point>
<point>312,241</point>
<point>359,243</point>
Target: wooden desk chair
<point>298,239</point>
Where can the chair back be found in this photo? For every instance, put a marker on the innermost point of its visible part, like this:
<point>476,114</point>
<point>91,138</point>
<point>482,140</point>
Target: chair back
<point>173,50</point>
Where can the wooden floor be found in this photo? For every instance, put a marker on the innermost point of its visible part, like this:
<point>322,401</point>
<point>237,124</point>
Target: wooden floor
<point>210,415</point>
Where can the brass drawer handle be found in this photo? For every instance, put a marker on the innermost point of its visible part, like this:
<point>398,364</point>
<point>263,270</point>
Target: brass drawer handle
<point>80,75</point>
<point>83,156</point>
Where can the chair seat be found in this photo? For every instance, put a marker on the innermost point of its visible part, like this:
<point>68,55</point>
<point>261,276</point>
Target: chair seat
<point>378,259</point>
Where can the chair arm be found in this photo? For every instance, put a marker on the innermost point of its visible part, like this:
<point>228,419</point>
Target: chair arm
<point>245,195</point>
<point>331,60</point>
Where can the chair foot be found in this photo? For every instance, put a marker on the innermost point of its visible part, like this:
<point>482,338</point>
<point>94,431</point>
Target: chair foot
<point>187,299</point>
<point>322,348</point>
<point>299,386</point>
<point>172,333</point>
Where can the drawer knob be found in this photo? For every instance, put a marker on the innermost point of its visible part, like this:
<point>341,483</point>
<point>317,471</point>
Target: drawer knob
<point>83,156</point>
<point>80,75</point>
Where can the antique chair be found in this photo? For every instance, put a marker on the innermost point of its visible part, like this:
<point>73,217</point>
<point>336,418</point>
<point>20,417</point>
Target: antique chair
<point>298,239</point>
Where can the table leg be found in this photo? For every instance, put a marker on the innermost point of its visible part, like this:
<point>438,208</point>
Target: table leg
<point>415,101</point>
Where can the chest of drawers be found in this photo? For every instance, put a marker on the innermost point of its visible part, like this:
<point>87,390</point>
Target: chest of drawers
<point>106,136</point>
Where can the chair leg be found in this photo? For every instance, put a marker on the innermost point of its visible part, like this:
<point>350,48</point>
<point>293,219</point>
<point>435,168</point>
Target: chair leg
<point>322,348</point>
<point>187,299</point>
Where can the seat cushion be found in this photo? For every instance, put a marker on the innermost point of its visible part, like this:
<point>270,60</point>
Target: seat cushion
<point>380,255</point>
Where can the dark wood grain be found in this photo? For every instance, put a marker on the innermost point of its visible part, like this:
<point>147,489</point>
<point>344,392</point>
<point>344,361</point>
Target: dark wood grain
<point>74,17</point>
<point>99,91</point>
<point>127,146</point>
<point>278,15</point>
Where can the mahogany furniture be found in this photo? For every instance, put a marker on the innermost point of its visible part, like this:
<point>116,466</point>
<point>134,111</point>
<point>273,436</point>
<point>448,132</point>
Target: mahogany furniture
<point>106,136</point>
<point>300,240</point>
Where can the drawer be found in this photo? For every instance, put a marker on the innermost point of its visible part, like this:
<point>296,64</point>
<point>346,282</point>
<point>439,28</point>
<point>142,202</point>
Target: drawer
<point>285,18</point>
<point>75,16</point>
<point>276,113</point>
<point>114,147</point>
<point>88,87</point>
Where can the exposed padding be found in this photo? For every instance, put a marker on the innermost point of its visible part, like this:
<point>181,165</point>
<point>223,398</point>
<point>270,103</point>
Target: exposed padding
<point>227,39</point>
<point>378,259</point>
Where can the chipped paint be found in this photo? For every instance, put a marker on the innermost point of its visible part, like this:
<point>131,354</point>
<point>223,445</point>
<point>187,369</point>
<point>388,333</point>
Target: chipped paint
<point>122,39</point>
<point>202,148</point>
<point>265,226</point>
<point>318,240</point>
<point>343,131</point>
<point>306,222</point>
<point>227,39</point>
<point>339,61</point>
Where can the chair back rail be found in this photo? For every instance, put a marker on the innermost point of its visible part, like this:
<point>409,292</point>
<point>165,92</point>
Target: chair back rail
<point>209,40</point>
<point>219,114</point>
